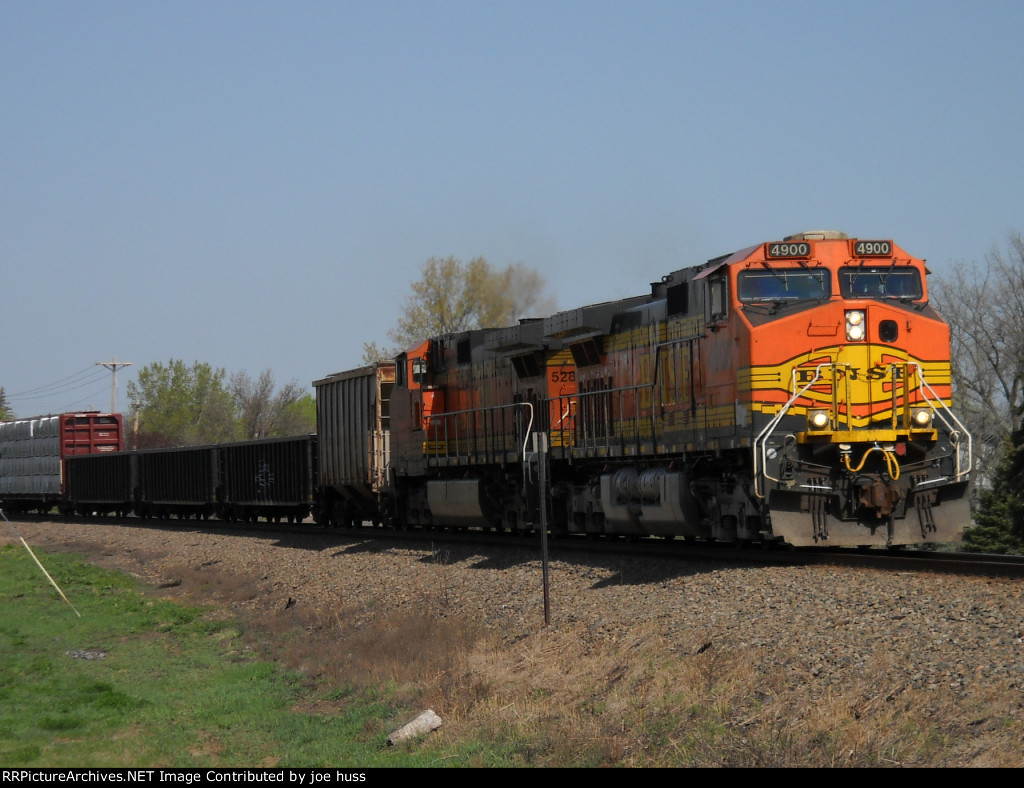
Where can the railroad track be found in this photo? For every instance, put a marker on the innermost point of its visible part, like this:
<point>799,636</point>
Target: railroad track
<point>928,560</point>
<point>903,559</point>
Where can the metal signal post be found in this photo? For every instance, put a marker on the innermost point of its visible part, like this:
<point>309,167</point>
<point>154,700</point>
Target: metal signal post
<point>540,445</point>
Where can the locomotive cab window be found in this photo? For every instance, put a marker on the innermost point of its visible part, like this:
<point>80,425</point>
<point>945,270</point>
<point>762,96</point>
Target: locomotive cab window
<point>717,301</point>
<point>783,284</point>
<point>880,282</point>
<point>419,371</point>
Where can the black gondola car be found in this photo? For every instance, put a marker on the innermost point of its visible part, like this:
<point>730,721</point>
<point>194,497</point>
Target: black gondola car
<point>99,484</point>
<point>274,478</point>
<point>182,482</point>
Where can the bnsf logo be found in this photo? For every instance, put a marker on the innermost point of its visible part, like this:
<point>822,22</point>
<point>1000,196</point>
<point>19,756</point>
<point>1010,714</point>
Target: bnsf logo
<point>854,373</point>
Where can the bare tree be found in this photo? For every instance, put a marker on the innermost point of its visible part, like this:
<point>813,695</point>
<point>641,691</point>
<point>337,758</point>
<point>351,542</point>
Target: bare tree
<point>984,306</point>
<point>453,295</point>
<point>263,413</point>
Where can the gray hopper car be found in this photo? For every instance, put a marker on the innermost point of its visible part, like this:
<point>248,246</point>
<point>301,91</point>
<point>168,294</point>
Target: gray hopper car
<point>353,429</point>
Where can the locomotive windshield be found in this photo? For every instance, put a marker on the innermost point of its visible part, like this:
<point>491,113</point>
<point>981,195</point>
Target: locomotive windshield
<point>880,282</point>
<point>784,284</point>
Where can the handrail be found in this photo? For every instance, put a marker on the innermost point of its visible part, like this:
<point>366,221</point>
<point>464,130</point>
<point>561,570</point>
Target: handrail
<point>471,434</point>
<point>529,427</point>
<point>929,397</point>
<point>763,436</point>
<point>943,410</point>
<point>590,405</point>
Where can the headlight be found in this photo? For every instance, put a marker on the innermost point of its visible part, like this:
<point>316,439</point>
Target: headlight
<point>819,419</point>
<point>921,417</point>
<point>855,325</point>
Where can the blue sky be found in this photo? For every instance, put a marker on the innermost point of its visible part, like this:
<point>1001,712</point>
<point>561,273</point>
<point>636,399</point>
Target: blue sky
<point>256,184</point>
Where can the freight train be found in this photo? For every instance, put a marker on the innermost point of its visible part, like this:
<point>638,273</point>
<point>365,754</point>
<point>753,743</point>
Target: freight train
<point>795,391</point>
<point>76,463</point>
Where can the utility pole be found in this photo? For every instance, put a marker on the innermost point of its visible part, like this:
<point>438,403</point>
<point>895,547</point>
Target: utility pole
<point>112,366</point>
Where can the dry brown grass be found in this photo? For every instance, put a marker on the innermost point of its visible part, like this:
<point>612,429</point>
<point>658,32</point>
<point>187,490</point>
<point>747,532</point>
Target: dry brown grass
<point>561,698</point>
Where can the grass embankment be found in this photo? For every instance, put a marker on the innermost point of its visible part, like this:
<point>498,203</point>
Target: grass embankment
<point>139,681</point>
<point>178,686</point>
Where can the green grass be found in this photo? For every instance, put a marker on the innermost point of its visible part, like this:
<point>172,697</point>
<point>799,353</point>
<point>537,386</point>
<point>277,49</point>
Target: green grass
<point>176,686</point>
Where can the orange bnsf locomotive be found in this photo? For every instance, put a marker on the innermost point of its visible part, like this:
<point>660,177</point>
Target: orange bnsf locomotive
<point>796,390</point>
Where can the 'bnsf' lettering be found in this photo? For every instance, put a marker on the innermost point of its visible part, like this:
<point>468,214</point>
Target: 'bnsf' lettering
<point>854,373</point>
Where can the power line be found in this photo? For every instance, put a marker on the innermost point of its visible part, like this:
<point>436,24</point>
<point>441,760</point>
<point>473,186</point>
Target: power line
<point>86,402</point>
<point>53,390</point>
<point>83,378</point>
<point>55,387</point>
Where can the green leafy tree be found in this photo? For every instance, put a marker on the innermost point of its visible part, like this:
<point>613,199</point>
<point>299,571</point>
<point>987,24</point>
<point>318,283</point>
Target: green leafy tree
<point>453,295</point>
<point>175,404</point>
<point>264,412</point>
<point>299,417</point>
<point>6,414</point>
<point>999,522</point>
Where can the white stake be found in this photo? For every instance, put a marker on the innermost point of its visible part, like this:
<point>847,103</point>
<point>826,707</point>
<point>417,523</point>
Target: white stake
<point>54,582</point>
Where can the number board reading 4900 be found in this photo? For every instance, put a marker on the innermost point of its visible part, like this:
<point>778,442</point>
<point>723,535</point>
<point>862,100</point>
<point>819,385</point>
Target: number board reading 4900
<point>873,248</point>
<point>789,249</point>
